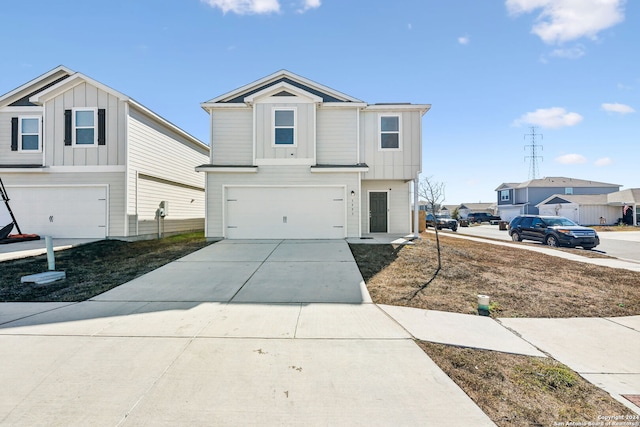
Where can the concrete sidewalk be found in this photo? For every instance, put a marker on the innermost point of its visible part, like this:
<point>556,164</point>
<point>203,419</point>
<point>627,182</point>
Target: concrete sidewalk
<point>238,333</point>
<point>270,333</point>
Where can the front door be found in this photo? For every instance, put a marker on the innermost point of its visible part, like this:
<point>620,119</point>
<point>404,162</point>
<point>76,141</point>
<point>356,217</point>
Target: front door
<point>378,212</point>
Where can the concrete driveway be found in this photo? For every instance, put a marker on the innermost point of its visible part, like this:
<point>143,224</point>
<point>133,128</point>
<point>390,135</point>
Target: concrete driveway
<point>238,333</point>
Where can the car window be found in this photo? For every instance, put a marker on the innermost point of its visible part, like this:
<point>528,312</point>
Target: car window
<point>536,222</point>
<point>559,221</point>
<point>526,222</point>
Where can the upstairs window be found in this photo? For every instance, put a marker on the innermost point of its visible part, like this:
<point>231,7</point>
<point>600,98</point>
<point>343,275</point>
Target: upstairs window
<point>568,190</point>
<point>29,133</point>
<point>504,195</point>
<point>84,126</point>
<point>284,121</point>
<point>389,132</point>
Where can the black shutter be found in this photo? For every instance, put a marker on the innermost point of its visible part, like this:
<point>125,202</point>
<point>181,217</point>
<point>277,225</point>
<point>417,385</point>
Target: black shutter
<point>14,134</point>
<point>67,127</point>
<point>102,140</point>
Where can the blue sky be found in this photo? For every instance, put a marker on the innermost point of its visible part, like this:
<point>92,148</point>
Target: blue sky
<point>490,69</point>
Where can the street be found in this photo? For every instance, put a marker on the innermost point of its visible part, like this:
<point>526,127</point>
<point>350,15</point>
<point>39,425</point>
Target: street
<point>618,244</point>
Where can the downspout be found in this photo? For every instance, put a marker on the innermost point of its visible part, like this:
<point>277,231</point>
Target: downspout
<point>416,213</point>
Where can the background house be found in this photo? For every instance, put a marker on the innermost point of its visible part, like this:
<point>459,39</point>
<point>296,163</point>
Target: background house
<point>291,158</point>
<point>465,209</point>
<point>599,209</point>
<point>522,198</point>
<point>80,159</point>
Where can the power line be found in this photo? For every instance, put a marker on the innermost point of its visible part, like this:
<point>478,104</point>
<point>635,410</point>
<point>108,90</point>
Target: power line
<point>533,153</point>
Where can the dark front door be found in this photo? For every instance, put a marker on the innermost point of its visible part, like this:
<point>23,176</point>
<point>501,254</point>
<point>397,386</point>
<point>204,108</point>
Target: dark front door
<point>377,212</point>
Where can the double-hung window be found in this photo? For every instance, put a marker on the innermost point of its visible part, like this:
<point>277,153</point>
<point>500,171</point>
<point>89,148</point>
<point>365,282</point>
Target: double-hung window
<point>504,195</point>
<point>390,132</point>
<point>29,133</point>
<point>284,127</point>
<point>84,126</point>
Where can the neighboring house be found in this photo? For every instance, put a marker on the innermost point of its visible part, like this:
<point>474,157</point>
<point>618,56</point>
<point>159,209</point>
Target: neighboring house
<point>291,158</point>
<point>464,209</point>
<point>80,159</point>
<point>600,209</point>
<point>522,198</point>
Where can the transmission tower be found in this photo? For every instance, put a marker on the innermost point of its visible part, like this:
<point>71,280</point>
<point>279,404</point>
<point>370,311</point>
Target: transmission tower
<point>533,153</point>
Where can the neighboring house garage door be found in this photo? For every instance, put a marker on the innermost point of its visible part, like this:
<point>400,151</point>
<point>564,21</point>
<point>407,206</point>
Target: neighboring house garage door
<point>285,213</point>
<point>62,212</point>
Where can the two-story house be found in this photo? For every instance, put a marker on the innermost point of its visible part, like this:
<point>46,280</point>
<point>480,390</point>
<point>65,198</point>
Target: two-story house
<point>291,158</point>
<point>79,159</point>
<point>522,198</point>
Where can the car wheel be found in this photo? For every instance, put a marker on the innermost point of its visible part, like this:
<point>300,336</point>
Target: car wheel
<point>454,229</point>
<point>552,241</point>
<point>588,248</point>
<point>516,237</point>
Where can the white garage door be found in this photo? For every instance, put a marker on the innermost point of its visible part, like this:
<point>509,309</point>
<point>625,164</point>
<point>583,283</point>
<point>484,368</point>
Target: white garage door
<point>285,213</point>
<point>62,212</point>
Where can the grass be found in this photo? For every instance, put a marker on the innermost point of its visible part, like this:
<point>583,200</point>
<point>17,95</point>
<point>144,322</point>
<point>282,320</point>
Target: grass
<point>520,283</point>
<point>512,390</point>
<point>93,268</point>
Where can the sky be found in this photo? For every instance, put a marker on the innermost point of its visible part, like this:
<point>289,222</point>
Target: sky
<point>490,69</point>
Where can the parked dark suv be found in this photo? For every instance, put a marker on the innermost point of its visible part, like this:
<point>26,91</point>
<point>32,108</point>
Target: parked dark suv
<point>479,217</point>
<point>553,231</point>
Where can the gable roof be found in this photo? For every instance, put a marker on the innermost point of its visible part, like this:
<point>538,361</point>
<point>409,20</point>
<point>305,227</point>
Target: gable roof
<point>555,181</point>
<point>61,79</point>
<point>580,199</point>
<point>238,95</point>
<point>477,206</point>
<point>20,96</point>
<point>629,196</point>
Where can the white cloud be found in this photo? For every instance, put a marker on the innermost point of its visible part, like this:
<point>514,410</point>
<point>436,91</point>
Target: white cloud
<point>571,159</point>
<point>570,53</point>
<point>605,161</point>
<point>618,108</point>
<point>565,20</point>
<point>309,4</point>
<point>555,117</point>
<point>245,7</point>
<point>463,40</point>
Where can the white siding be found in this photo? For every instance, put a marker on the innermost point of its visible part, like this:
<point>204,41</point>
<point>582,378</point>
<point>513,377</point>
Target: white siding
<point>337,142</point>
<point>184,202</point>
<point>8,157</point>
<point>278,176</point>
<point>399,197</point>
<point>115,181</point>
<point>232,136</point>
<point>304,132</point>
<point>391,164</point>
<point>84,95</point>
<point>161,153</point>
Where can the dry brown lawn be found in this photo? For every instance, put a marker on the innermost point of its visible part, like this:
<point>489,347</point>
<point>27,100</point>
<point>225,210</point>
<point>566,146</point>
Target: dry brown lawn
<point>512,390</point>
<point>520,283</point>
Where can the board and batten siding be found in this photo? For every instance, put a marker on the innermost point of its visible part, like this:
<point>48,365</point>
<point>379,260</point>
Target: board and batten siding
<point>8,157</point>
<point>84,95</point>
<point>114,180</point>
<point>398,201</point>
<point>160,153</point>
<point>391,164</point>
<point>232,136</point>
<point>278,176</point>
<point>337,136</point>
<point>304,132</point>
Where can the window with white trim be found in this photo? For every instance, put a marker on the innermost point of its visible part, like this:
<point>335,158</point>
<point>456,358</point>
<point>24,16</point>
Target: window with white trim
<point>85,126</point>
<point>568,190</point>
<point>284,127</point>
<point>29,133</point>
<point>504,195</point>
<point>389,132</point>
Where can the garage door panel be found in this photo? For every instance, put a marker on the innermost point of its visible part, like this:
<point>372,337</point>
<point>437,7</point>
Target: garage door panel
<point>62,212</point>
<point>285,212</point>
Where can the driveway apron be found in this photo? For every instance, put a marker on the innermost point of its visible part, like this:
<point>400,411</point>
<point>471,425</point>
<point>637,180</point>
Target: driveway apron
<point>239,333</point>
